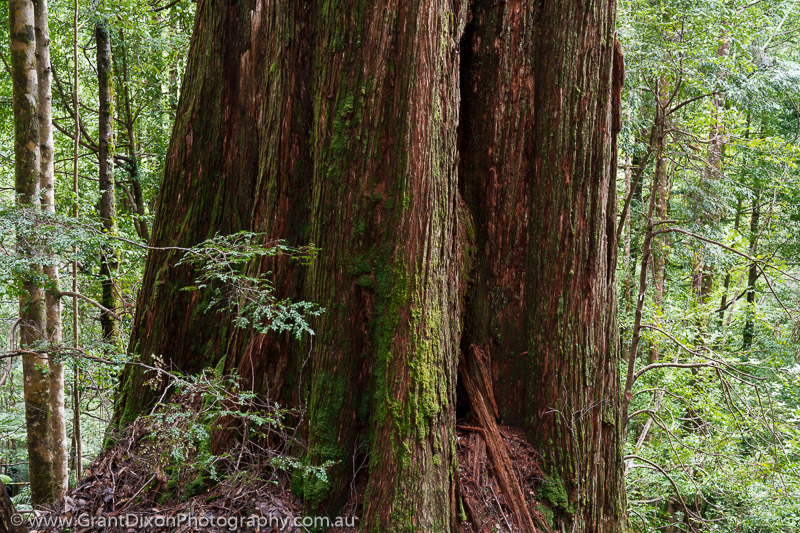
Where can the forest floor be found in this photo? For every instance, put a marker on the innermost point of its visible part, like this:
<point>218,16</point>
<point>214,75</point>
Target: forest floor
<point>485,504</point>
<point>131,482</point>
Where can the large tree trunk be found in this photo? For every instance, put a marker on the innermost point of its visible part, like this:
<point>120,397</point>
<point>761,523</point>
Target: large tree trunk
<point>385,176</point>
<point>109,259</point>
<point>58,427</point>
<point>32,300</point>
<point>537,171</point>
<point>574,400</point>
<point>496,144</point>
<point>338,125</point>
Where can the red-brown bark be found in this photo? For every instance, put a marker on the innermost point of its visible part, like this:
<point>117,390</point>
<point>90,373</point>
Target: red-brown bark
<point>341,125</point>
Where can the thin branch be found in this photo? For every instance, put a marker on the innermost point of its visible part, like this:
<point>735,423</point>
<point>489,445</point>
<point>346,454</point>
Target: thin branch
<point>655,466</point>
<point>162,8</point>
<point>689,101</point>
<point>699,354</point>
<point>78,351</point>
<point>3,57</point>
<point>755,261</point>
<point>94,303</point>
<point>653,366</point>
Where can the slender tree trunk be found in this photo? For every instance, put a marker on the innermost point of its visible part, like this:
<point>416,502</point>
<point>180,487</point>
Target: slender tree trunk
<point>748,332</point>
<point>32,300</point>
<point>660,244</point>
<point>109,260</point>
<point>717,136</point>
<point>727,282</point>
<point>627,288</point>
<point>703,277</point>
<point>337,124</point>
<point>635,193</point>
<point>173,85</point>
<point>58,427</point>
<point>76,377</point>
<point>132,165</point>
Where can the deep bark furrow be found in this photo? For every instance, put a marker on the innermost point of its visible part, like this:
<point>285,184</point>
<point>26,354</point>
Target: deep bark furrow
<point>537,173</point>
<point>495,143</point>
<point>336,124</point>
<point>571,279</point>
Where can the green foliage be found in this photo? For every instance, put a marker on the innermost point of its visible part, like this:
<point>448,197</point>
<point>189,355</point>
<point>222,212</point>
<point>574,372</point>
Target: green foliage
<point>182,428</point>
<point>54,240</point>
<point>153,44</point>
<point>222,265</point>
<point>713,433</point>
<point>721,437</point>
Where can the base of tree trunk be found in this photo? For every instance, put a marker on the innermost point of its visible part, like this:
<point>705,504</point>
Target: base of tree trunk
<point>7,511</point>
<point>474,374</point>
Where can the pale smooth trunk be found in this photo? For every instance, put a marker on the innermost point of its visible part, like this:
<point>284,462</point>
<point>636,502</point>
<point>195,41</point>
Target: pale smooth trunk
<point>58,428</point>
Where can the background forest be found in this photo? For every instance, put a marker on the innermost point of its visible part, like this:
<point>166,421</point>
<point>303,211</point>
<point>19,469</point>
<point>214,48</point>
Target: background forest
<point>709,199</point>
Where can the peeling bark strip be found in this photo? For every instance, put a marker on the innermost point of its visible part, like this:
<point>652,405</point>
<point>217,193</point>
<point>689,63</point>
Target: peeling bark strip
<point>31,301</point>
<point>540,112</point>
<point>340,124</point>
<point>479,389</point>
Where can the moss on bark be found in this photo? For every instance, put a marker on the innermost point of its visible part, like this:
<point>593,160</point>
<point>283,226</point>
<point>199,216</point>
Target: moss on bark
<point>32,314</point>
<point>339,124</point>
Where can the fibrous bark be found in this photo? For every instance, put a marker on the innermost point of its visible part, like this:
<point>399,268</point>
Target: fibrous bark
<point>571,312</point>
<point>340,125</point>
<point>537,170</point>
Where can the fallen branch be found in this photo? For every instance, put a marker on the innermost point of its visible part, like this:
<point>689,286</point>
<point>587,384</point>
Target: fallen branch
<point>494,441</point>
